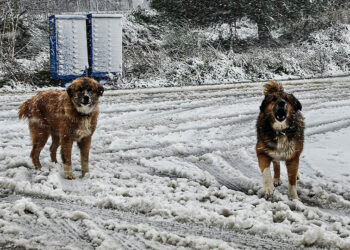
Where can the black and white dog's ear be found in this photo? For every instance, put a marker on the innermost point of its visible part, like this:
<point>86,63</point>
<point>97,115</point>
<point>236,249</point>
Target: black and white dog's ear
<point>295,103</point>
<point>263,105</point>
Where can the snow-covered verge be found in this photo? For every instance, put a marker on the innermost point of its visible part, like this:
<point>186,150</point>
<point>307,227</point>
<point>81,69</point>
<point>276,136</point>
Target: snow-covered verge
<point>157,56</point>
<point>158,52</point>
<point>176,169</point>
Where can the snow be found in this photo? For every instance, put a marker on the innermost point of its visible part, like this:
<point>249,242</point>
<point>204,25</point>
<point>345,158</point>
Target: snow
<point>175,168</point>
<point>106,15</point>
<point>158,57</point>
<point>148,61</point>
<point>329,150</point>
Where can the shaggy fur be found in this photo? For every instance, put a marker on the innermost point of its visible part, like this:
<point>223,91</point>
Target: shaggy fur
<point>280,134</point>
<point>67,116</point>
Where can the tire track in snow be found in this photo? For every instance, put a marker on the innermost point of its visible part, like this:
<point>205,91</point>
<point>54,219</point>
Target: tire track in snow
<point>233,123</point>
<point>242,139</point>
<point>132,218</point>
<point>214,139</point>
<point>315,101</point>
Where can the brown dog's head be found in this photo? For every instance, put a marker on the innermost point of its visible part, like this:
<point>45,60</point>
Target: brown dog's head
<point>84,93</point>
<point>279,105</point>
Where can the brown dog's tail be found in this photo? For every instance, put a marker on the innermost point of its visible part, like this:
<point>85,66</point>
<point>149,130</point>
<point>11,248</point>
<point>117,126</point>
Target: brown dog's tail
<point>24,110</point>
<point>272,87</point>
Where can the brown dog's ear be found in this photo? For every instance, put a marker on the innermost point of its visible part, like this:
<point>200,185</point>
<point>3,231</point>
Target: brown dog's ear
<point>295,103</point>
<point>70,90</point>
<point>100,90</point>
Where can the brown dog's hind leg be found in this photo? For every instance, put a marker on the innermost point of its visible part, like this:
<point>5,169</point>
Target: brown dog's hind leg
<point>39,135</point>
<point>264,165</point>
<point>292,169</point>
<point>276,169</point>
<point>53,148</point>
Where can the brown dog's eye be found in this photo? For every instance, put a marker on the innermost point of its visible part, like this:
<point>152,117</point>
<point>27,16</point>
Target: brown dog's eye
<point>80,89</point>
<point>274,99</point>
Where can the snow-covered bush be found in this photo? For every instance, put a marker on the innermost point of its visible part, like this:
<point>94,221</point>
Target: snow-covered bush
<point>160,51</point>
<point>184,55</point>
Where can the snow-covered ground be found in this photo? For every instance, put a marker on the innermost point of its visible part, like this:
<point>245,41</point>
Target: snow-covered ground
<point>175,168</point>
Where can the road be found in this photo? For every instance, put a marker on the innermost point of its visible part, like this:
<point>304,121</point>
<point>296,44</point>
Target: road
<point>175,168</point>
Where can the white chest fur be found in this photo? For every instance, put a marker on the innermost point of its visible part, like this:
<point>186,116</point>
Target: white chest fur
<point>285,149</point>
<point>84,129</point>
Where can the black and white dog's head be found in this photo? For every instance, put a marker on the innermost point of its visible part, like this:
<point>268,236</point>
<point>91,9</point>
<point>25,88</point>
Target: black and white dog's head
<point>278,105</point>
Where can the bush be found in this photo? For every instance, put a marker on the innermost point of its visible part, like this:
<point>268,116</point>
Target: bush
<point>182,42</point>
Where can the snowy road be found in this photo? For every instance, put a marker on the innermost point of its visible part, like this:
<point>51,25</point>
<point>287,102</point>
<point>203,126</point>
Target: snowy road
<point>176,169</point>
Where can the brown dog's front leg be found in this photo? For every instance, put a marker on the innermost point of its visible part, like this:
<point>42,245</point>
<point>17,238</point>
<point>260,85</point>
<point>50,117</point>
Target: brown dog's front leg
<point>66,154</point>
<point>292,169</point>
<point>84,146</point>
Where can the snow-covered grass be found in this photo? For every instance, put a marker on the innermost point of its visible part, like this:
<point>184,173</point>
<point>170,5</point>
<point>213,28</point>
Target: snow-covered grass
<point>158,52</point>
<point>185,55</point>
<point>176,168</point>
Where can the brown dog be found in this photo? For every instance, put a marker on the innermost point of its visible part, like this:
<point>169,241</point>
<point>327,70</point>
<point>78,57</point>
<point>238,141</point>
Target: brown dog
<point>67,116</point>
<point>280,132</point>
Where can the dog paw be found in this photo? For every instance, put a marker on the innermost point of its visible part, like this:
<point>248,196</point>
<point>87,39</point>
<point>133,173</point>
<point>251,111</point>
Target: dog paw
<point>269,189</point>
<point>69,175</point>
<point>294,198</point>
<point>277,182</point>
<point>84,173</point>
<point>267,180</point>
<point>292,192</point>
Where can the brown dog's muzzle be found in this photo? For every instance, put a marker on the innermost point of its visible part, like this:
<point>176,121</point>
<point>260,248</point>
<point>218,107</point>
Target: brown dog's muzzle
<point>86,100</point>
